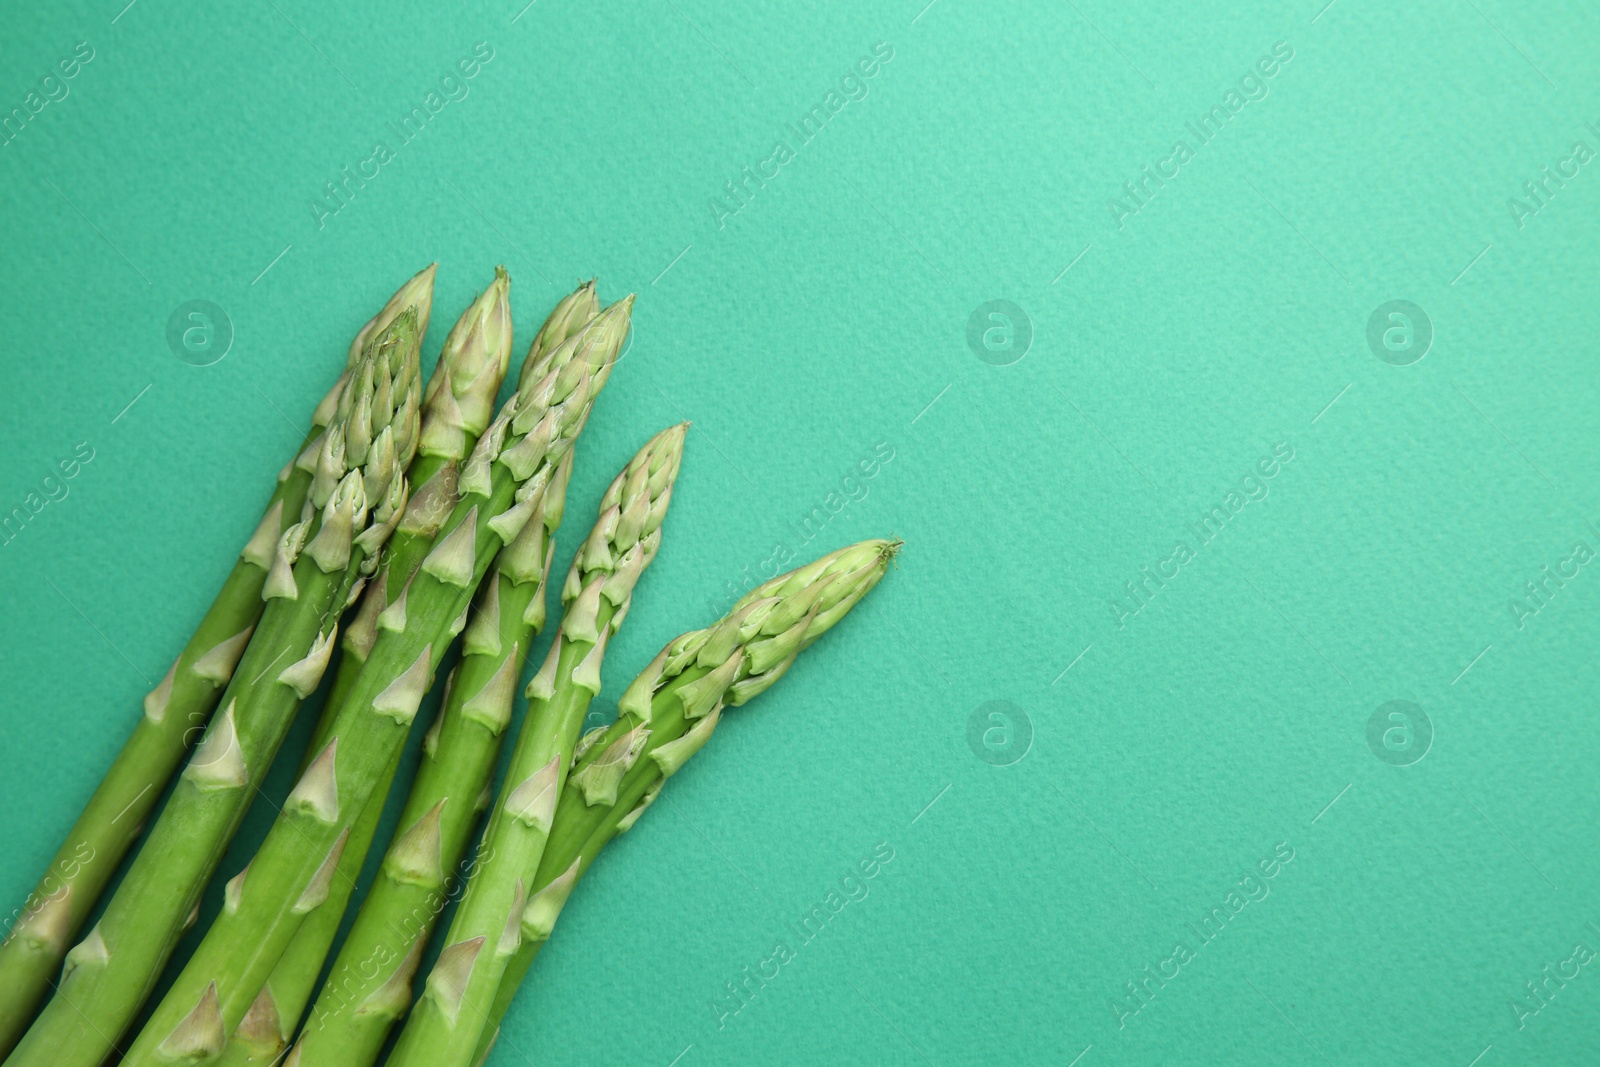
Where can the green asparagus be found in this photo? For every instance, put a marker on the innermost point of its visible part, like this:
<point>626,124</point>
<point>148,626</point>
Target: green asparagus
<point>662,701</point>
<point>356,498</point>
<point>502,484</point>
<point>522,604</point>
<point>175,714</point>
<point>462,401</point>
<point>268,1025</point>
<point>456,407</point>
<point>664,717</point>
<point>597,595</point>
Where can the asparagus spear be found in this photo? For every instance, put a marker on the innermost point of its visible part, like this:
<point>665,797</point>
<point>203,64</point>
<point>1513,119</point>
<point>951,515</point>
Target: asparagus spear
<point>349,1024</point>
<point>456,407</point>
<point>667,701</point>
<point>269,1023</point>
<point>502,484</point>
<point>175,714</point>
<point>356,497</point>
<point>436,473</point>
<point>597,595</point>
<point>664,717</point>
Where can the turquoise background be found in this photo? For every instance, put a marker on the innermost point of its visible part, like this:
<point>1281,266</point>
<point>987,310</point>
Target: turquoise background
<point>828,318</point>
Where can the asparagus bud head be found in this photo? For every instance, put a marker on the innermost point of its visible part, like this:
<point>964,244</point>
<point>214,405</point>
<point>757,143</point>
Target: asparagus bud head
<point>460,396</point>
<point>570,315</point>
<point>389,400</point>
<point>624,538</point>
<point>417,293</point>
<point>546,379</point>
<point>763,633</point>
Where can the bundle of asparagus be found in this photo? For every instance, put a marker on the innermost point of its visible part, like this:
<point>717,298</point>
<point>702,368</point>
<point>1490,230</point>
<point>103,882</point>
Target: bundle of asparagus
<point>447,518</point>
<point>457,407</point>
<point>353,1017</point>
<point>173,715</point>
<point>537,848</point>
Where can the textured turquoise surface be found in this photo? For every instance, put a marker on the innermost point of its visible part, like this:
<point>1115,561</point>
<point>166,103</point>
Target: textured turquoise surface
<point>1187,703</point>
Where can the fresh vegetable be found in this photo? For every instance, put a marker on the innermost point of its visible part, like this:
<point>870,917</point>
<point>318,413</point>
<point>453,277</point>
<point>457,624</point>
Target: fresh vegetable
<point>442,811</point>
<point>597,595</point>
<point>484,329</point>
<point>357,494</point>
<point>664,717</point>
<point>267,1027</point>
<point>501,486</point>
<point>456,407</point>
<point>175,713</point>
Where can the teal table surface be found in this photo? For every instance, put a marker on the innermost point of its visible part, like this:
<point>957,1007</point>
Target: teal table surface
<point>1229,371</point>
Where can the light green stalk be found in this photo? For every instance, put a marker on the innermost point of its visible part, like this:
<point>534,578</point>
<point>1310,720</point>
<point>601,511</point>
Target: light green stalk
<point>502,484</point>
<point>456,408</point>
<point>270,1020</point>
<point>356,497</point>
<point>665,717</point>
<point>175,714</point>
<point>369,986</point>
<point>483,935</point>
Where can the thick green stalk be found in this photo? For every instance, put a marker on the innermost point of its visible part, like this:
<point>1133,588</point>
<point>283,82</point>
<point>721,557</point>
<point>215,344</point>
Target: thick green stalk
<point>318,563</point>
<point>664,718</point>
<point>269,1024</point>
<point>515,595</point>
<point>369,986</point>
<point>437,487</point>
<point>444,1026</point>
<point>264,1032</point>
<point>501,485</point>
<point>175,714</point>
<point>456,408</point>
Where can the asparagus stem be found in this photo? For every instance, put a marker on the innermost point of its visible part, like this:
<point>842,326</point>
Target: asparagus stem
<point>456,408</point>
<point>175,714</point>
<point>512,465</point>
<point>514,600</point>
<point>356,497</point>
<point>675,704</point>
<point>598,592</point>
<point>369,985</point>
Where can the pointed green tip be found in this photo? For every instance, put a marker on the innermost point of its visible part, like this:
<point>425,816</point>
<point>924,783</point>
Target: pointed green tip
<point>400,334</point>
<point>480,338</point>
<point>610,328</point>
<point>460,396</point>
<point>864,563</point>
<point>417,292</point>
<point>660,459</point>
<point>395,355</point>
<point>672,437</point>
<point>571,314</point>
